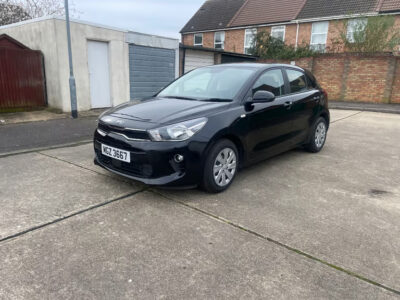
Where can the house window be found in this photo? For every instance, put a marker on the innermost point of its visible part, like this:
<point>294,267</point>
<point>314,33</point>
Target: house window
<point>198,39</point>
<point>249,40</point>
<point>319,34</point>
<point>278,32</point>
<point>219,40</point>
<point>356,27</point>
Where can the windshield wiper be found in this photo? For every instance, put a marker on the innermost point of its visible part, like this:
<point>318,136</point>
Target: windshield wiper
<point>180,97</point>
<point>217,100</point>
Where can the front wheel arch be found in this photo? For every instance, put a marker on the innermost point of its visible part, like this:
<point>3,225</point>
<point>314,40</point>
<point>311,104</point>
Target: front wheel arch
<point>234,139</point>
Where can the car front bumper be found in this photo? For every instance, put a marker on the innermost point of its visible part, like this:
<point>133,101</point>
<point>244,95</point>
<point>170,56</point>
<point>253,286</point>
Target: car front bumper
<point>154,163</point>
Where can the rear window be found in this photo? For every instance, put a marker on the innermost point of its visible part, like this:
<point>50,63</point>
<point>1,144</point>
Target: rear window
<point>297,81</point>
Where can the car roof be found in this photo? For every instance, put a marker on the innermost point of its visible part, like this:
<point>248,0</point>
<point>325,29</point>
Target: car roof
<point>253,66</point>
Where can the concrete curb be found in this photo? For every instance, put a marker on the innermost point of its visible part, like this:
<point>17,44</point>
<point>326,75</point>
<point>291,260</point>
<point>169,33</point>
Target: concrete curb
<point>372,107</point>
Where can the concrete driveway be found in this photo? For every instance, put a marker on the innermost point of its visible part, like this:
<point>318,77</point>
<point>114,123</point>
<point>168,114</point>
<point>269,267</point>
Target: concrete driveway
<point>297,226</point>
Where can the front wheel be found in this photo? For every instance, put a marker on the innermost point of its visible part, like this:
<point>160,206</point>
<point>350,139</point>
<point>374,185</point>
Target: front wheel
<point>221,167</point>
<point>317,136</point>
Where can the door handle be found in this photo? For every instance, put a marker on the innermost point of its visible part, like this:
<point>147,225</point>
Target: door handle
<point>288,104</point>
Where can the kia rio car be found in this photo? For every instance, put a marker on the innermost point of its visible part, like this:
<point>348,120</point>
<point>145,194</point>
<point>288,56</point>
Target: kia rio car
<point>203,127</point>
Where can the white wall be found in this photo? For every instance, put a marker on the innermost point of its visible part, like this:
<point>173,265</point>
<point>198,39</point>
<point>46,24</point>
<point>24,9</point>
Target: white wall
<point>119,62</point>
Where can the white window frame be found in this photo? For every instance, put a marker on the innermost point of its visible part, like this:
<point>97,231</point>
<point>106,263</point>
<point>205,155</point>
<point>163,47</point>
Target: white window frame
<point>222,43</point>
<point>194,39</point>
<point>249,32</point>
<point>275,29</point>
<point>351,24</point>
<point>316,46</point>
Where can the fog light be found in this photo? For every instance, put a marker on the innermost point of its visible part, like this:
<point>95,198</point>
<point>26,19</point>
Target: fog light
<point>178,158</point>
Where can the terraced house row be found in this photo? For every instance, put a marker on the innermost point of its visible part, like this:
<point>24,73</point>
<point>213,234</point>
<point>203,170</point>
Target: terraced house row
<point>231,25</point>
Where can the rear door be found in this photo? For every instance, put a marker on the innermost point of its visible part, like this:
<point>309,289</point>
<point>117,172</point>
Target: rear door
<point>304,98</point>
<point>269,124</point>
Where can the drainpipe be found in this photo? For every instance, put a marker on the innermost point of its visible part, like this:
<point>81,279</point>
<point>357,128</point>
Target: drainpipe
<point>297,35</point>
<point>183,61</point>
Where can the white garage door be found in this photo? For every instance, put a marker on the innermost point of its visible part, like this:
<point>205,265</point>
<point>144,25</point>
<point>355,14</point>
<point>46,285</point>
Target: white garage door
<point>197,59</point>
<point>99,74</point>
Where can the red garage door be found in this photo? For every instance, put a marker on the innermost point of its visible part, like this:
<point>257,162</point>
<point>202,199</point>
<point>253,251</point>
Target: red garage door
<point>22,80</point>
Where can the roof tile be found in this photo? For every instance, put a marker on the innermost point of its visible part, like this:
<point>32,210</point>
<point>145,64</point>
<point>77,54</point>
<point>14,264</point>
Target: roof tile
<point>256,12</point>
<point>327,8</point>
<point>390,5</point>
<point>213,14</point>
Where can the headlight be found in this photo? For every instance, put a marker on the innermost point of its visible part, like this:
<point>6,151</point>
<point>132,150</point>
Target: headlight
<point>178,132</point>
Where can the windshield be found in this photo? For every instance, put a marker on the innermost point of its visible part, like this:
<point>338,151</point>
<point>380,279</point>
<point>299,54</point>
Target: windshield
<point>209,84</point>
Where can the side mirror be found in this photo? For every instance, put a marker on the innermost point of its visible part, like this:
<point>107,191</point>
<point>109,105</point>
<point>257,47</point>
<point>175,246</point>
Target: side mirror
<point>263,97</point>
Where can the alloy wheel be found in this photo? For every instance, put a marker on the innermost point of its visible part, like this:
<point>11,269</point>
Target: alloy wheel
<point>320,134</point>
<point>225,167</point>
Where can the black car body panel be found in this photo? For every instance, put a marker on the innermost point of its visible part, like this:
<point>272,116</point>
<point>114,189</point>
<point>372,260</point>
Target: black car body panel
<point>259,130</point>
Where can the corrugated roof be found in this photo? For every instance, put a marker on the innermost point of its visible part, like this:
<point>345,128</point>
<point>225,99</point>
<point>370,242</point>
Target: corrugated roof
<point>390,5</point>
<point>326,8</point>
<point>256,12</point>
<point>213,14</point>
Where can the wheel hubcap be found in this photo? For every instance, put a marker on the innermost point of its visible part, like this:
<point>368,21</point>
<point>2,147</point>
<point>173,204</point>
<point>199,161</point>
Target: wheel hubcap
<point>224,167</point>
<point>320,135</point>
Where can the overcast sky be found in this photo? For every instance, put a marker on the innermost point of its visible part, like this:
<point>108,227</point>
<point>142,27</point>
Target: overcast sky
<point>161,17</point>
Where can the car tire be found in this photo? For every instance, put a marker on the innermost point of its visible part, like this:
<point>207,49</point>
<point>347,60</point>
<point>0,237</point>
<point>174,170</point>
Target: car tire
<point>221,167</point>
<point>318,136</point>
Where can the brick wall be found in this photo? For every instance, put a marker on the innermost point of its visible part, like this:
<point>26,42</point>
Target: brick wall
<point>353,77</point>
<point>234,41</point>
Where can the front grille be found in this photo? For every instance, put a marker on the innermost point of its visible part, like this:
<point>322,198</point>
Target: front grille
<point>129,133</point>
<point>134,168</point>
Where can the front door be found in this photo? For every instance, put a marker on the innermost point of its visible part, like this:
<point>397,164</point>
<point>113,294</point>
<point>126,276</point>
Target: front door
<point>99,74</point>
<point>269,124</point>
<point>305,100</point>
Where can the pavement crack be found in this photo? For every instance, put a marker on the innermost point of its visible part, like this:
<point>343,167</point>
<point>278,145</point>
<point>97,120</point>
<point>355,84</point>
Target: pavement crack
<point>68,216</point>
<point>353,115</point>
<point>280,244</point>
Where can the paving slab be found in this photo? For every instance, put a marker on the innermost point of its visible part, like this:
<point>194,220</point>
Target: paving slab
<point>146,247</point>
<point>341,205</point>
<point>82,155</point>
<point>35,189</point>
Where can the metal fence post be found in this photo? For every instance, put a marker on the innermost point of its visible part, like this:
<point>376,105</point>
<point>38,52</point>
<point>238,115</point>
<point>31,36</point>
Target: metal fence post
<point>72,84</point>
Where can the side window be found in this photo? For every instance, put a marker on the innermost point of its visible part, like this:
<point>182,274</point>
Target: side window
<point>297,81</point>
<point>271,81</point>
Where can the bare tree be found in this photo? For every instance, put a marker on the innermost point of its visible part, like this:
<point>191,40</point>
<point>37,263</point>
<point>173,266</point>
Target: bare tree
<point>12,11</point>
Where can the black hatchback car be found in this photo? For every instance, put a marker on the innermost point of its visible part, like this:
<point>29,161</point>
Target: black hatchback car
<point>207,124</point>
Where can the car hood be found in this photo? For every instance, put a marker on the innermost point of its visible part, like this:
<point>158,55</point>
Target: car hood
<point>164,111</point>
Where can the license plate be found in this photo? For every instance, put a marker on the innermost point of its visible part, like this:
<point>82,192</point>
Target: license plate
<point>116,153</point>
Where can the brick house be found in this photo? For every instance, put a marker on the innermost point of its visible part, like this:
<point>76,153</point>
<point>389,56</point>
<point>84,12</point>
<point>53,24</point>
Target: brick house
<point>231,25</point>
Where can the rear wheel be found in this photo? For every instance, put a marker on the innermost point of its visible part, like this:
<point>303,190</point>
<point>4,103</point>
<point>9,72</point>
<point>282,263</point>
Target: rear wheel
<point>221,167</point>
<point>317,136</point>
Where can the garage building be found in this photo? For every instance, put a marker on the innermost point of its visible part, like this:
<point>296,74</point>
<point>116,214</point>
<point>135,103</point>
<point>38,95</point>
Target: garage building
<point>111,65</point>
